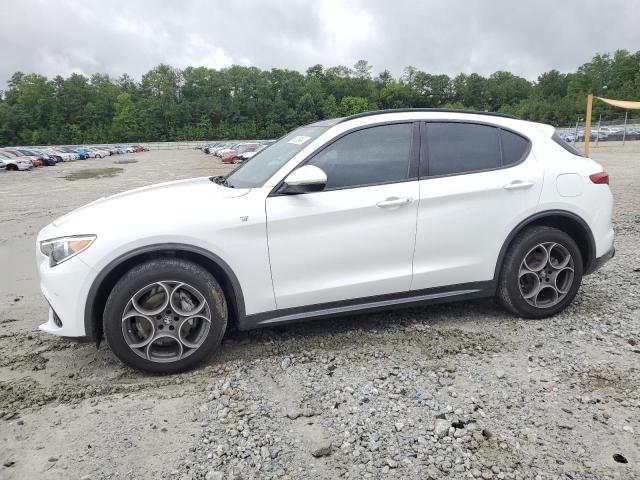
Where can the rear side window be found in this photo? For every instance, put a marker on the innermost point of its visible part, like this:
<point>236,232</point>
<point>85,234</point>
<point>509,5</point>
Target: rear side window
<point>567,146</point>
<point>374,155</point>
<point>454,148</point>
<point>514,147</point>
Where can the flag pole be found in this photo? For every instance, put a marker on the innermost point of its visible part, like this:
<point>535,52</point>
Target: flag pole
<point>587,125</point>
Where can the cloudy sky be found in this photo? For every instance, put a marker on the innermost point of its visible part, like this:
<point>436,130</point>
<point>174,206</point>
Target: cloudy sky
<point>116,36</point>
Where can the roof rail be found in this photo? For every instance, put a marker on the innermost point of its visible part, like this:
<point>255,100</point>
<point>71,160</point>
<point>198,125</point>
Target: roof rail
<point>436,110</point>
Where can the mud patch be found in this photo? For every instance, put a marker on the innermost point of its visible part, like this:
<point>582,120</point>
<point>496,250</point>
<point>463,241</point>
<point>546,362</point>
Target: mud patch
<point>18,395</point>
<point>125,162</point>
<point>94,173</point>
<point>605,379</point>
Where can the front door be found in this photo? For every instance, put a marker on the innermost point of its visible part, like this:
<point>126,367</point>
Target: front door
<point>356,238</point>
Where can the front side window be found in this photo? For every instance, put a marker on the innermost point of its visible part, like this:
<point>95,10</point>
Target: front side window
<point>370,156</point>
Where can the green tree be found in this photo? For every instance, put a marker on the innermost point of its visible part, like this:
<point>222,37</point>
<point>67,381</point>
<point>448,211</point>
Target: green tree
<point>353,105</point>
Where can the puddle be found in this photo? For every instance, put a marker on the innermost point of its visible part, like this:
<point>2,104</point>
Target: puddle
<point>94,173</point>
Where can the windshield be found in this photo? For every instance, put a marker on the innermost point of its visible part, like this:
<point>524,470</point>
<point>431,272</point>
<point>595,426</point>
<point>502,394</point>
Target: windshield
<point>261,167</point>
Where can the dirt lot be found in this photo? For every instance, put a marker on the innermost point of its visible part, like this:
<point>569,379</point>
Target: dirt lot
<point>455,391</point>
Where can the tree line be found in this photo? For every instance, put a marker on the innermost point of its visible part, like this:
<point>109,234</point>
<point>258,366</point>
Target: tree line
<point>199,103</point>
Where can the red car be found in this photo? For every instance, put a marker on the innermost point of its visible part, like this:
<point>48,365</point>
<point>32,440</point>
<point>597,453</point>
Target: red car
<point>139,148</point>
<point>231,158</point>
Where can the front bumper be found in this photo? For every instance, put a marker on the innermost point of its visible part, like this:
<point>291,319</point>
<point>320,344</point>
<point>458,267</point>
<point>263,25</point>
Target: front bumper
<point>65,287</point>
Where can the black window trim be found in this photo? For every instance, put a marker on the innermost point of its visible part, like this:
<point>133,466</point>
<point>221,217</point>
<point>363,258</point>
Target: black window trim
<point>414,158</point>
<point>424,152</point>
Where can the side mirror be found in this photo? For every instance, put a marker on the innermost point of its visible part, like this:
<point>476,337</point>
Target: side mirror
<point>305,179</point>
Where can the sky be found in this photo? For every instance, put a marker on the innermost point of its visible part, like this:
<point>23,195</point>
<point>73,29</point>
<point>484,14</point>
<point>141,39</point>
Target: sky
<point>60,37</point>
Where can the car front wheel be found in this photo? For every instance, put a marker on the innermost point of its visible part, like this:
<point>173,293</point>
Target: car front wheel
<point>165,316</point>
<point>541,273</point>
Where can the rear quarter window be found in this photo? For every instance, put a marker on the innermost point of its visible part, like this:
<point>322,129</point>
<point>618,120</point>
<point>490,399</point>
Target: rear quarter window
<point>567,146</point>
<point>514,148</point>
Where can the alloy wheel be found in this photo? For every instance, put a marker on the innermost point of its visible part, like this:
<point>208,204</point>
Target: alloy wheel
<point>546,274</point>
<point>166,321</point>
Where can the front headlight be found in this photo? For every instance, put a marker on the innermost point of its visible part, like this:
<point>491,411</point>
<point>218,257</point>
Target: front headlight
<point>60,249</point>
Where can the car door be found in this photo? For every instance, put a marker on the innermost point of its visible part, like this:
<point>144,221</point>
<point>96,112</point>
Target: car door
<point>477,182</point>
<point>355,238</point>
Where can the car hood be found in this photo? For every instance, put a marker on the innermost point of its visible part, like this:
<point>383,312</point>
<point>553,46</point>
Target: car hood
<point>152,203</point>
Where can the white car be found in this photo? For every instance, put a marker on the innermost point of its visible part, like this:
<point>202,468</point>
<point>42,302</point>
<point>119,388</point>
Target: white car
<point>65,156</point>
<point>225,149</point>
<point>10,162</point>
<point>95,152</point>
<point>373,211</point>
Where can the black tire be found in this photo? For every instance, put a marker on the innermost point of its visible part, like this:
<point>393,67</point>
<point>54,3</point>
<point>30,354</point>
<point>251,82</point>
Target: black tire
<point>12,168</point>
<point>165,270</point>
<point>509,292</point>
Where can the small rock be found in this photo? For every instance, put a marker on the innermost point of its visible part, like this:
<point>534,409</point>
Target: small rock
<point>487,474</point>
<point>399,426</point>
<point>213,475</point>
<point>293,413</point>
<point>53,459</point>
<point>500,373</point>
<point>441,428</point>
<point>286,363</point>
<point>9,463</point>
<point>321,448</point>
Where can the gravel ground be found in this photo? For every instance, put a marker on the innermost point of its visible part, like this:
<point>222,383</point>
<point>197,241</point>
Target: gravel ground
<point>455,391</point>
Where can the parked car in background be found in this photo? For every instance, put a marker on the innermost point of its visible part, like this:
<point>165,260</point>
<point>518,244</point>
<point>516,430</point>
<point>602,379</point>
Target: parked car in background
<point>243,157</point>
<point>79,152</point>
<point>238,149</point>
<point>56,156</point>
<point>66,156</point>
<point>33,159</point>
<point>47,160</point>
<point>12,162</point>
<point>225,146</point>
<point>95,152</point>
<point>221,152</point>
<point>212,146</point>
<point>126,148</point>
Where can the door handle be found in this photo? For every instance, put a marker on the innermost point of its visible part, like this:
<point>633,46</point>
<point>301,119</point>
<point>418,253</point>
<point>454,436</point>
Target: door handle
<point>394,202</point>
<point>518,185</point>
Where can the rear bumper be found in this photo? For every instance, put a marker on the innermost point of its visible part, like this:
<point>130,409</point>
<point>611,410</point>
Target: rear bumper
<point>600,261</point>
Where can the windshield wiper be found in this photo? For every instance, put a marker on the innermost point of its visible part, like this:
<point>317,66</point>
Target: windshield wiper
<point>221,180</point>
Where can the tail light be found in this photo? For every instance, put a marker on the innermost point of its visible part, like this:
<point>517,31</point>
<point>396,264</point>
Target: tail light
<point>601,178</point>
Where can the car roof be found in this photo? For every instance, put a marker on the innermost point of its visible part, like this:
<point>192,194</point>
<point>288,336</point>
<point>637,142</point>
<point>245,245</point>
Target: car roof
<point>435,114</point>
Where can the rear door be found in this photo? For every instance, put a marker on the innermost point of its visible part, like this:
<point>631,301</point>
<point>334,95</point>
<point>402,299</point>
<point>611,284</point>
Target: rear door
<point>477,182</point>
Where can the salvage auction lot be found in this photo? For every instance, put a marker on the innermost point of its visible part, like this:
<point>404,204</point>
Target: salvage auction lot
<point>459,390</point>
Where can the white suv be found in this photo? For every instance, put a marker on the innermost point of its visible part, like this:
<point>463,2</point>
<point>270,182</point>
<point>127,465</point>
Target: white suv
<point>373,211</point>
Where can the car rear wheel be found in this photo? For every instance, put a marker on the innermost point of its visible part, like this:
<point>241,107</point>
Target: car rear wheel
<point>165,316</point>
<point>541,273</point>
